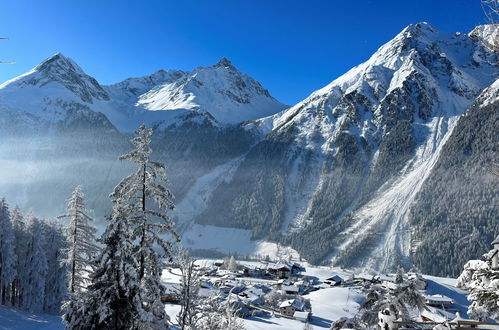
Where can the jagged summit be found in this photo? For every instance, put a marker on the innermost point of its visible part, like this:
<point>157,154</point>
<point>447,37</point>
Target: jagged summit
<point>487,34</point>
<point>224,62</point>
<point>58,62</point>
<point>227,94</point>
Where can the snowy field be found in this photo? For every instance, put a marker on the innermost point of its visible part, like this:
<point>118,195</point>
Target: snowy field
<point>328,303</point>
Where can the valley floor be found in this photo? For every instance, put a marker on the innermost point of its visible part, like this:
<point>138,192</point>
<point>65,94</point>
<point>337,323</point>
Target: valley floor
<point>328,304</point>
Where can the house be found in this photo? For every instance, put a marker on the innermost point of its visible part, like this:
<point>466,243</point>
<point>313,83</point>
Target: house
<point>364,278</point>
<point>296,268</point>
<point>438,300</point>
<point>385,278</point>
<point>333,280</point>
<point>280,270</point>
<point>495,256</point>
<point>386,320</point>
<point>289,307</point>
<point>302,316</point>
<point>290,289</point>
<point>389,285</point>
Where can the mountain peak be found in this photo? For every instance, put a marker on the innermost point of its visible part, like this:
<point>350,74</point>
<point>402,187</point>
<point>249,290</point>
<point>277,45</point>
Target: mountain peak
<point>224,62</point>
<point>58,62</point>
<point>487,34</point>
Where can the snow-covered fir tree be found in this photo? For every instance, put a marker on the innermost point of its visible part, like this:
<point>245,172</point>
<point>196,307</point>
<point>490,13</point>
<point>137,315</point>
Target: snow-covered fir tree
<point>112,300</point>
<point>81,242</point>
<point>404,301</point>
<point>21,249</point>
<point>8,257</point>
<point>55,282</point>
<point>33,280</point>
<point>144,199</point>
<point>232,266</point>
<point>481,279</point>
<point>220,315</point>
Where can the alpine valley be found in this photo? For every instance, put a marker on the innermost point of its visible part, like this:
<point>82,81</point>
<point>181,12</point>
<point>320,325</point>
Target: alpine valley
<point>388,165</point>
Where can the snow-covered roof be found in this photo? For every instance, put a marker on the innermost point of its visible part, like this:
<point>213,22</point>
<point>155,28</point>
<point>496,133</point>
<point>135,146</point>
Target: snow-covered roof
<point>291,288</point>
<point>301,315</point>
<point>364,276</point>
<point>281,266</point>
<point>439,298</point>
<point>335,278</point>
<point>496,241</point>
<point>296,304</point>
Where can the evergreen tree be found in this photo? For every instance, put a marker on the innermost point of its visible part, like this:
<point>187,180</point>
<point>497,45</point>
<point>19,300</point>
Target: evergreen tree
<point>21,250</point>
<point>112,300</point>
<point>82,246</point>
<point>36,267</point>
<point>482,282</point>
<point>144,200</point>
<point>55,282</point>
<point>8,258</point>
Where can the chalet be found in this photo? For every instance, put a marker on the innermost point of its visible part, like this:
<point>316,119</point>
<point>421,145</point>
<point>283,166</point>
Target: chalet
<point>333,280</point>
<point>289,307</point>
<point>438,300</point>
<point>280,270</point>
<point>495,256</point>
<point>364,278</point>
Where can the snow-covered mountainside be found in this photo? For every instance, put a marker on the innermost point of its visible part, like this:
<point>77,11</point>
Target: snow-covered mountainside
<point>340,177</point>
<point>220,91</point>
<point>462,184</point>
<point>229,95</point>
<point>60,126</point>
<point>336,174</point>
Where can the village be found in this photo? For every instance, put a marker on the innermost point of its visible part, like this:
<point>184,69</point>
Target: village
<point>277,293</point>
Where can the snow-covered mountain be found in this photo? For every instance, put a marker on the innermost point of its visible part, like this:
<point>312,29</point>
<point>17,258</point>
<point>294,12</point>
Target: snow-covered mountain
<point>337,177</point>
<point>220,91</point>
<point>336,174</point>
<point>229,95</point>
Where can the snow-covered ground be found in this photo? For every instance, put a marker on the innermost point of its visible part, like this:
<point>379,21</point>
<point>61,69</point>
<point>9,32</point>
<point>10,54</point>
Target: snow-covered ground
<point>328,303</point>
<point>13,319</point>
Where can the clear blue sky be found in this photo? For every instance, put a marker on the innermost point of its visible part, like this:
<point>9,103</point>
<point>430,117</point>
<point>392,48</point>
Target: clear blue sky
<point>291,47</point>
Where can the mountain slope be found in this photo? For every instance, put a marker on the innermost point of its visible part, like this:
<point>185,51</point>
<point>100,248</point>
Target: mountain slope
<point>456,209</point>
<point>336,174</point>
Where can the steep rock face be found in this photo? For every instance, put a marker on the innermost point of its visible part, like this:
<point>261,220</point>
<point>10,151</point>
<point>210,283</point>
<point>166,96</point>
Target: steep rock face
<point>335,174</point>
<point>455,215</point>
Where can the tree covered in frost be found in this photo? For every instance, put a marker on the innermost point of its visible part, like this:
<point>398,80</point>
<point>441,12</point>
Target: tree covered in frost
<point>482,282</point>
<point>404,300</point>
<point>190,280</point>
<point>220,315</point>
<point>81,241</point>
<point>31,276</point>
<point>55,283</point>
<point>143,199</point>
<point>8,257</point>
<point>112,300</point>
<point>36,266</point>
<point>21,251</point>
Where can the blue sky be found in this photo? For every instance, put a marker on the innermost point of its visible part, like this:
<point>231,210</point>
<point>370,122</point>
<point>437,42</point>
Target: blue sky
<point>291,47</point>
